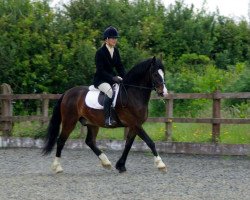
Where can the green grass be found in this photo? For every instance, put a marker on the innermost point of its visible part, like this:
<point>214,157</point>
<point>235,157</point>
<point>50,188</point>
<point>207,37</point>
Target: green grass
<point>28,129</point>
<point>235,134</point>
<point>182,132</point>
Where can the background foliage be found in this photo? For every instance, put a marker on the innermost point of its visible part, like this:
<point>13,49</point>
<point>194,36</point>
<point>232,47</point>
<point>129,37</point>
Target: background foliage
<point>43,49</point>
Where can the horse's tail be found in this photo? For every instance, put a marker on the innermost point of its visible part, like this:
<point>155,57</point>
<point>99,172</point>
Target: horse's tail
<point>53,128</point>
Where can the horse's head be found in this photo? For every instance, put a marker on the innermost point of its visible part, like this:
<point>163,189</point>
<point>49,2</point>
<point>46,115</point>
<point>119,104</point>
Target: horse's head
<point>157,77</point>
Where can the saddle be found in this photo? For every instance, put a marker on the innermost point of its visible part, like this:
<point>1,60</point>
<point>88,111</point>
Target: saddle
<point>95,98</point>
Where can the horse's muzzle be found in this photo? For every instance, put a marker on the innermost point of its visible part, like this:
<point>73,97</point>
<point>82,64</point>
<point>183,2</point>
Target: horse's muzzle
<point>160,94</point>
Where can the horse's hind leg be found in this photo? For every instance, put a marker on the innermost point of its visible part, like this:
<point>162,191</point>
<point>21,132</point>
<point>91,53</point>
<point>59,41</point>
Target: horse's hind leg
<point>91,142</point>
<point>67,127</point>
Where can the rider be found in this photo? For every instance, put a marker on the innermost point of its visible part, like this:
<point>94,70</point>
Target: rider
<point>106,59</point>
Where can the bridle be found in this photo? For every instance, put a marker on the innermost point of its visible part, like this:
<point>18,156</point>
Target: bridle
<point>155,83</point>
<point>154,87</point>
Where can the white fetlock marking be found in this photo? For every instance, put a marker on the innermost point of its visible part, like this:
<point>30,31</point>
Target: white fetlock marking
<point>158,162</point>
<point>104,160</point>
<point>56,166</point>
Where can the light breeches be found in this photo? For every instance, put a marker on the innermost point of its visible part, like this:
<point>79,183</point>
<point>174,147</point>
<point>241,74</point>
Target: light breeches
<point>106,88</point>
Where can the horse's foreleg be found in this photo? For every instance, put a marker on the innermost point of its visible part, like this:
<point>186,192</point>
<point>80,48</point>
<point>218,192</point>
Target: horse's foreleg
<point>91,142</point>
<point>157,159</point>
<point>120,165</point>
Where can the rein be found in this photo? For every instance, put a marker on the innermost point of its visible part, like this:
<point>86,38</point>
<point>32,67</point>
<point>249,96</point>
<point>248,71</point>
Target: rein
<point>123,86</point>
<point>135,86</point>
<point>120,94</point>
<point>154,83</point>
<point>141,87</point>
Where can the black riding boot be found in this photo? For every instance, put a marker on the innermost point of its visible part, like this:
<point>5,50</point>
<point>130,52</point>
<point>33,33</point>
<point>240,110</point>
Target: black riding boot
<point>107,112</point>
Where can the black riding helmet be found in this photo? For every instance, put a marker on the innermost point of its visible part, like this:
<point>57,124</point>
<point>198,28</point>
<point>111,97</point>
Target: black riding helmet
<point>110,32</point>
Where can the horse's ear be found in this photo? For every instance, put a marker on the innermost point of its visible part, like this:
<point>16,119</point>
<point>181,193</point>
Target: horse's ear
<point>154,60</point>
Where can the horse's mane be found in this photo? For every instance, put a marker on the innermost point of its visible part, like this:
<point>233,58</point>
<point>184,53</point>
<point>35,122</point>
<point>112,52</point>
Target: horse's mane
<point>139,70</point>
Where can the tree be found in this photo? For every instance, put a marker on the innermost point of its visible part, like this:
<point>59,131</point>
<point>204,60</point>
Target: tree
<point>27,41</point>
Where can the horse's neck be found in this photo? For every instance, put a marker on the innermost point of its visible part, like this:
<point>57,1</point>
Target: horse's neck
<point>138,85</point>
<point>138,93</point>
<point>143,96</point>
<point>141,88</point>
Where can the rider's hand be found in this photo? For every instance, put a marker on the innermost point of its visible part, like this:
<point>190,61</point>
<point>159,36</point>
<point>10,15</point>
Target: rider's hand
<point>117,79</point>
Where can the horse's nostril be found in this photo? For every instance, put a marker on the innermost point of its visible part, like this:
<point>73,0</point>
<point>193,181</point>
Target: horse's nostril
<point>160,94</point>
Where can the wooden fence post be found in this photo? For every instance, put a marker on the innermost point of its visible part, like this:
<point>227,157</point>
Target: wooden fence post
<point>83,130</point>
<point>169,114</point>
<point>6,110</point>
<point>45,109</point>
<point>216,115</point>
<point>125,133</point>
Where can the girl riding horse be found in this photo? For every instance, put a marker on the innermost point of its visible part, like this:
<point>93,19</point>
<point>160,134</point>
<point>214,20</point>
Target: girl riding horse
<point>107,59</point>
<point>131,108</point>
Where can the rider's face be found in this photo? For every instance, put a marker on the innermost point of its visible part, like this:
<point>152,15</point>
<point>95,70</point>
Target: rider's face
<point>111,42</point>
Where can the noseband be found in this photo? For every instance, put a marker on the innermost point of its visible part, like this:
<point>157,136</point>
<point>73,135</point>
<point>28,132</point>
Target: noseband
<point>155,86</point>
<point>154,83</point>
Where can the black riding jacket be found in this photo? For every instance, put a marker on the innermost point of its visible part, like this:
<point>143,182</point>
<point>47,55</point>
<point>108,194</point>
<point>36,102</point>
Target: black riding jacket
<point>105,66</point>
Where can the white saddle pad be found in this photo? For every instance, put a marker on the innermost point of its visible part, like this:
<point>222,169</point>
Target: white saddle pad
<point>91,99</point>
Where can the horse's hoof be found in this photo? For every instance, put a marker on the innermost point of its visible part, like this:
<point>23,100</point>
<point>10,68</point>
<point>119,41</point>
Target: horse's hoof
<point>105,161</point>
<point>57,169</point>
<point>159,164</point>
<point>108,166</point>
<point>163,169</point>
<point>121,169</point>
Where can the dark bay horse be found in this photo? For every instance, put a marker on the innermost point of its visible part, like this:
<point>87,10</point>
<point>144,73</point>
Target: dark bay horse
<point>131,109</point>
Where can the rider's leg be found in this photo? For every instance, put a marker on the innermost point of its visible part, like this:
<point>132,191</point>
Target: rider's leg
<point>106,88</point>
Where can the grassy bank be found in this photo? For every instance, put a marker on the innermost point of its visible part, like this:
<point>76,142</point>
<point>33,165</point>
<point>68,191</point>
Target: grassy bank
<point>230,134</point>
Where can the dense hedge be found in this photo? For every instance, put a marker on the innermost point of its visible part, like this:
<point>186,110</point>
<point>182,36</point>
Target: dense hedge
<point>50,50</point>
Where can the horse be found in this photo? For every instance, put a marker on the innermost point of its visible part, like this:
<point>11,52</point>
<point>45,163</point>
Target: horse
<point>131,110</point>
